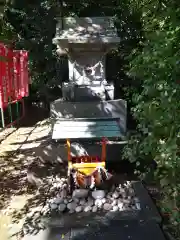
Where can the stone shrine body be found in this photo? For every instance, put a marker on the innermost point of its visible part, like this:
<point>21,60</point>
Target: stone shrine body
<point>87,94</point>
<point>86,41</point>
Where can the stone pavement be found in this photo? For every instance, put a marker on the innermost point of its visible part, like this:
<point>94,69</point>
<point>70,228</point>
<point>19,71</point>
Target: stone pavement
<point>124,230</point>
<point>16,153</point>
<point>13,139</point>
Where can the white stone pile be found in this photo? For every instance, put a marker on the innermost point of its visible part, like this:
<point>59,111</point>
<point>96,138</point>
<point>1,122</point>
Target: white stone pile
<point>120,198</point>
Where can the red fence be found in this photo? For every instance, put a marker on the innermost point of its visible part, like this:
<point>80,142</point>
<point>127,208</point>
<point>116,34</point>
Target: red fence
<point>14,79</point>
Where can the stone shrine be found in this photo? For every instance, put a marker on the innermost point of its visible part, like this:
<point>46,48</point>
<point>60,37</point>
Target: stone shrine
<point>87,93</point>
<point>86,41</point>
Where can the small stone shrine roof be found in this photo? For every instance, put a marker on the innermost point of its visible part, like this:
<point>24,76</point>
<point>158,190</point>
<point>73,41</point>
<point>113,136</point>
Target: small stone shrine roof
<point>86,30</point>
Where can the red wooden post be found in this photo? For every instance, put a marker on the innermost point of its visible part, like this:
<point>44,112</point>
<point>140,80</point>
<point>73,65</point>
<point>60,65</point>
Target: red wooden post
<point>103,154</point>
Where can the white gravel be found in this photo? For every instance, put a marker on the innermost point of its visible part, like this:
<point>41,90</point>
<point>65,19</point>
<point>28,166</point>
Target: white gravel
<point>120,198</point>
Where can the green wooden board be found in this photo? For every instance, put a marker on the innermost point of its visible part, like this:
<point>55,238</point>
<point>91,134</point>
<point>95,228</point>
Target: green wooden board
<point>86,129</point>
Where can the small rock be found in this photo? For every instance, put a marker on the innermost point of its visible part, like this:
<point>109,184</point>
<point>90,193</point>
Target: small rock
<point>128,184</point>
<point>120,186</point>
<point>72,206</point>
<point>82,201</point>
<point>54,185</point>
<point>63,180</point>
<point>115,195</point>
<point>107,206</point>
<point>98,203</point>
<point>79,209</point>
<point>62,207</point>
<point>58,179</point>
<point>58,185</point>
<point>114,202</point>
<point>103,200</point>
<point>98,194</point>
<point>133,207</point>
<point>63,193</point>
<point>115,209</point>
<point>70,200</point>
<point>71,211</point>
<point>76,200</point>
<point>90,202</point>
<point>87,209</point>
<point>131,191</point>
<point>138,206</point>
<point>58,200</point>
<point>136,200</point>
<point>109,196</point>
<point>109,200</point>
<point>120,204</point>
<point>80,193</point>
<point>94,209</point>
<point>126,207</point>
<point>121,207</point>
<point>64,186</point>
<point>122,190</point>
<point>53,206</point>
<point>126,201</point>
<point>124,195</point>
<point>66,201</point>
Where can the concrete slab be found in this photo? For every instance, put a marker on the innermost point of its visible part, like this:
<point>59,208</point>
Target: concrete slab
<point>85,220</point>
<point>57,152</point>
<point>135,230</point>
<point>131,224</point>
<point>120,230</point>
<point>148,208</point>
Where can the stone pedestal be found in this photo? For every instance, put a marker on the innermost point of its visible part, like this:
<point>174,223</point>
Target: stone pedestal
<point>87,92</point>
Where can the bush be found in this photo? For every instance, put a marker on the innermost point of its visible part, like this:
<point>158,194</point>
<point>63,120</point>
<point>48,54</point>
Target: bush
<point>157,108</point>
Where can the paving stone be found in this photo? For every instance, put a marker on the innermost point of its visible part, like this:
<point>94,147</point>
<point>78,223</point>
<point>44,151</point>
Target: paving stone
<point>135,230</point>
<point>120,230</point>
<point>148,208</point>
<point>49,234</point>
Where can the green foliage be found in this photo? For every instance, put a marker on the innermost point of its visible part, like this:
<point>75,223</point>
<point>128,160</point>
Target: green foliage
<point>35,25</point>
<point>157,106</point>
<point>150,31</point>
<point>7,32</point>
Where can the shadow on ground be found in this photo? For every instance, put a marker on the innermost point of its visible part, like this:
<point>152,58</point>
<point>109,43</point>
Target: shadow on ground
<point>33,115</point>
<point>30,172</point>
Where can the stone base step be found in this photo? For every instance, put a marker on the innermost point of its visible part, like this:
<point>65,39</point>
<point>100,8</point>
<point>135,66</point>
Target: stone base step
<point>134,230</point>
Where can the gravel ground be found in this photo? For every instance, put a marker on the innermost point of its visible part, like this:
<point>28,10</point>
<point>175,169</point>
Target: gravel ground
<point>120,198</point>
